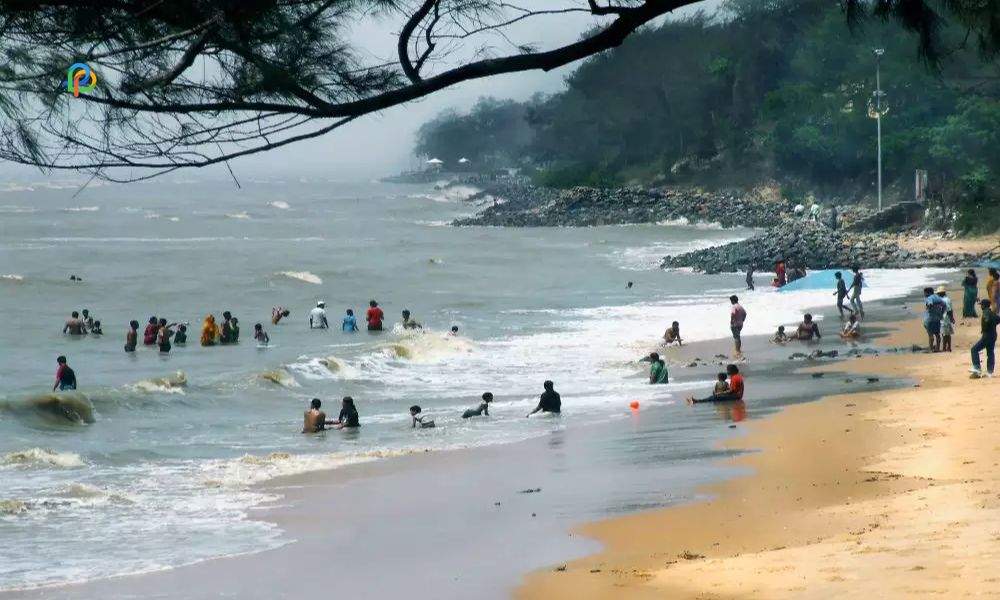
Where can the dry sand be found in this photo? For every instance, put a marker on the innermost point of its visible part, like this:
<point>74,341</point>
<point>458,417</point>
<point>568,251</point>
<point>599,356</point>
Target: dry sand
<point>969,245</point>
<point>874,495</point>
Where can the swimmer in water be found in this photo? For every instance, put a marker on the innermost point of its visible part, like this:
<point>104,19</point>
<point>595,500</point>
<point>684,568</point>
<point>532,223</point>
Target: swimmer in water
<point>149,334</point>
<point>317,316</point>
<point>409,323</point>
<point>65,376</point>
<point>74,326</point>
<point>88,321</point>
<point>181,337</point>
<point>132,336</point>
<point>227,328</point>
<point>96,329</point>
<point>234,331</point>
<point>278,313</point>
<point>454,331</point>
<point>418,417</point>
<point>314,419</point>
<point>348,418</point>
<point>549,402</point>
<point>260,335</point>
<point>482,410</point>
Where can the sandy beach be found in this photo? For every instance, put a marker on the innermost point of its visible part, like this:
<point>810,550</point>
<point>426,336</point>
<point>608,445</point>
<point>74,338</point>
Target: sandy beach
<point>870,495</point>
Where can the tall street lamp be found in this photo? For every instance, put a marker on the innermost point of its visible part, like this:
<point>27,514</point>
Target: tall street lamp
<point>878,115</point>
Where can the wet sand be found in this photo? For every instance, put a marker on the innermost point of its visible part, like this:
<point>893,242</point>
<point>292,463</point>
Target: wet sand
<point>890,494</point>
<point>458,525</point>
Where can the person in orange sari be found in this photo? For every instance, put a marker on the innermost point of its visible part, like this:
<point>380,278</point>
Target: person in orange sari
<point>993,287</point>
<point>209,331</point>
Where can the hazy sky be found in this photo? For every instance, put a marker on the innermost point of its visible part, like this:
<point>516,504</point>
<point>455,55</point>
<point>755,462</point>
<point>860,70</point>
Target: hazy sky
<point>380,144</point>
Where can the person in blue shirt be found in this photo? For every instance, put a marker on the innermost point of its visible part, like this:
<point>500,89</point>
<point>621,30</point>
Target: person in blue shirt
<point>934,309</point>
<point>350,322</point>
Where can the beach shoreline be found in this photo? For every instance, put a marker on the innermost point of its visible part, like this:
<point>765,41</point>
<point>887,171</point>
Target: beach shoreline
<point>863,495</point>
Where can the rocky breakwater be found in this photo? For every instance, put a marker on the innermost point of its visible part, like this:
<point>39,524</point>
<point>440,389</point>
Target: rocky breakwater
<point>530,206</point>
<point>814,247</point>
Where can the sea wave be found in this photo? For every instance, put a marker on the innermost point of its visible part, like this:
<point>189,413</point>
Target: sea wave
<point>41,457</point>
<point>304,276</point>
<point>279,204</point>
<point>252,469</point>
<point>165,385</point>
<point>82,209</point>
<point>13,209</point>
<point>12,507</point>
<point>12,277</point>
<point>61,408</point>
<point>239,215</point>
<point>278,376</point>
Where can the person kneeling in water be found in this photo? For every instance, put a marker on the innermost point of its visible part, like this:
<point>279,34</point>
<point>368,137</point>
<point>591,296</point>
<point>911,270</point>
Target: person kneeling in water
<point>348,418</point>
<point>549,402</point>
<point>483,410</point>
<point>314,419</point>
<point>735,388</point>
<point>260,335</point>
<point>415,413</point>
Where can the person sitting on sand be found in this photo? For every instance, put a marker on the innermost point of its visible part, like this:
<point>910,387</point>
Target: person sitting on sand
<point>260,335</point>
<point>780,337</point>
<point>409,323</point>
<point>65,376</point>
<point>278,313</point>
<point>807,329</point>
<point>657,369</point>
<point>132,336</point>
<point>550,401</point>
<point>482,410</point>
<point>209,331</point>
<point>74,326</point>
<point>348,418</point>
<point>317,316</point>
<point>721,387</point>
<point>181,337</point>
<point>96,329</point>
<point>350,324</point>
<point>735,391</point>
<point>314,419</point>
<point>673,335</point>
<point>852,330</point>
<point>418,417</point>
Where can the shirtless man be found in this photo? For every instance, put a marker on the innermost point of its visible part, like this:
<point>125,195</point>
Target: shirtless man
<point>74,326</point>
<point>314,419</point>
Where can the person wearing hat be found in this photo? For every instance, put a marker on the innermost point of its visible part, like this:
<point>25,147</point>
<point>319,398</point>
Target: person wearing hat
<point>948,321</point>
<point>317,316</point>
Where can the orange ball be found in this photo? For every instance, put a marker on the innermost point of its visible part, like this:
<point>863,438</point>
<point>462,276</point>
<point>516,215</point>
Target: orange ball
<point>634,404</point>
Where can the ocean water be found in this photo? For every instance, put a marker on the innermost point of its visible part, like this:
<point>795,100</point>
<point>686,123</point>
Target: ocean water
<point>162,473</point>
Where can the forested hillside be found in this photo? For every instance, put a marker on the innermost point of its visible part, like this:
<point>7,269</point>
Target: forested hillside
<point>781,90</point>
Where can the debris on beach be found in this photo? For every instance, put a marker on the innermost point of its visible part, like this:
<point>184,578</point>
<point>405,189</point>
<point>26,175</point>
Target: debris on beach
<point>686,555</point>
<point>530,491</point>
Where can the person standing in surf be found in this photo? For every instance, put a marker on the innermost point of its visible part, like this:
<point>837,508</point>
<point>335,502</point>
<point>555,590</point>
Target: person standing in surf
<point>317,316</point>
<point>149,334</point>
<point>314,419</point>
<point>132,336</point>
<point>226,335</point>
<point>841,294</point>
<point>374,317</point>
<point>209,331</point>
<point>181,337</point>
<point>74,326</point>
<point>164,334</point>
<point>737,317</point>
<point>260,335</point>
<point>549,401</point>
<point>750,269</point>
<point>348,418</point>
<point>350,324</point>
<point>88,321</point>
<point>65,376</point>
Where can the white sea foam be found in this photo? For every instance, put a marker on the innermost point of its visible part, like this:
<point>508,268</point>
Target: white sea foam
<point>239,215</point>
<point>279,204</point>
<point>11,209</point>
<point>12,277</point>
<point>82,209</point>
<point>36,457</point>
<point>304,276</point>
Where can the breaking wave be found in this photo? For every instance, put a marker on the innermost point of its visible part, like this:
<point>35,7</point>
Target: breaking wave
<point>304,276</point>
<point>34,457</point>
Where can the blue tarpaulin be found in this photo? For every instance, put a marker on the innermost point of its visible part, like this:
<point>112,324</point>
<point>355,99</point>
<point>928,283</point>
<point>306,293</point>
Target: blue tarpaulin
<point>820,280</point>
<point>989,263</point>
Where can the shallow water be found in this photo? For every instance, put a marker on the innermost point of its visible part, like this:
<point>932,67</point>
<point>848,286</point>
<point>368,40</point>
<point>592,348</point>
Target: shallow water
<point>166,467</point>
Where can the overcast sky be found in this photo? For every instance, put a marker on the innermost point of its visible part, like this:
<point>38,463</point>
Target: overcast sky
<point>380,144</point>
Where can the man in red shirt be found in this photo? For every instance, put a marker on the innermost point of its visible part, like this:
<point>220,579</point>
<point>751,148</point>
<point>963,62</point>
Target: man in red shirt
<point>375,317</point>
<point>735,388</point>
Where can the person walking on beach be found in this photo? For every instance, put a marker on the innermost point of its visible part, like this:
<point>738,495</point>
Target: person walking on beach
<point>374,317</point>
<point>970,285</point>
<point>735,388</point>
<point>934,309</point>
<point>841,293</point>
<point>317,316</point>
<point>65,376</point>
<point>987,341</point>
<point>74,326</point>
<point>750,270</point>
<point>549,402</point>
<point>737,316</point>
<point>657,370</point>
<point>856,284</point>
<point>132,336</point>
<point>947,321</point>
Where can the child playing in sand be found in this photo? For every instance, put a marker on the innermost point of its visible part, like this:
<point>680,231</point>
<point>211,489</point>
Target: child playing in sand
<point>780,337</point>
<point>721,387</point>
<point>418,417</point>
<point>673,335</point>
<point>851,330</point>
<point>260,335</point>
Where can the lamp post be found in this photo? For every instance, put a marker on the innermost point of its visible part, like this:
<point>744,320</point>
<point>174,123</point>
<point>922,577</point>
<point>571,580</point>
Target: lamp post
<point>878,116</point>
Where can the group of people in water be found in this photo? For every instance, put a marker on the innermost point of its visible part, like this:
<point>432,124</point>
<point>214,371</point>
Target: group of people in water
<point>314,419</point>
<point>82,325</point>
